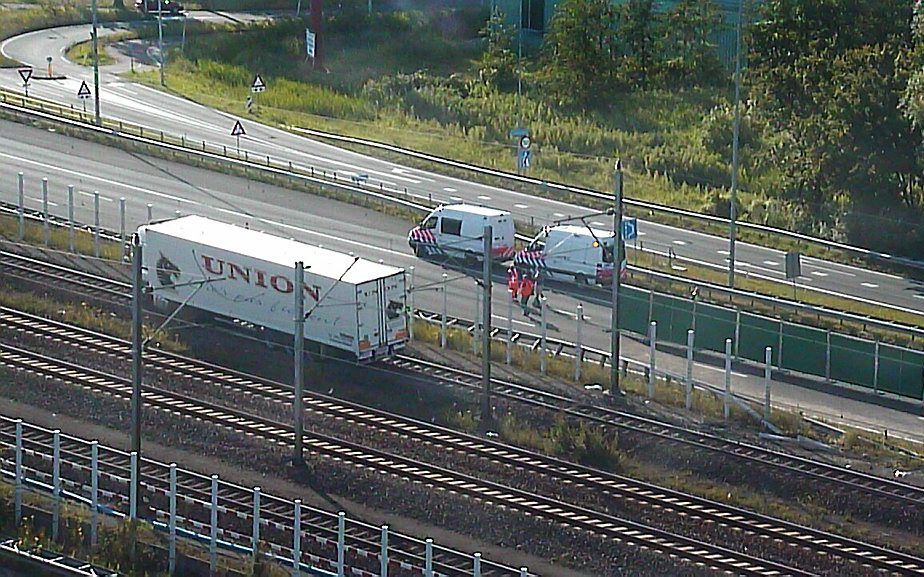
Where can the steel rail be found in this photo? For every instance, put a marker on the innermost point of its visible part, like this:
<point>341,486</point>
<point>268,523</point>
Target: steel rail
<point>606,415</point>
<point>681,504</point>
<point>608,526</point>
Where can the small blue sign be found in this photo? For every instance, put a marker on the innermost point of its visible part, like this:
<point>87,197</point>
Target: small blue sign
<point>629,229</point>
<point>524,158</point>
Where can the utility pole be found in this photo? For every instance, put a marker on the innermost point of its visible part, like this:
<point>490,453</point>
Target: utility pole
<point>617,266</point>
<point>137,344</point>
<point>96,65</point>
<point>297,454</point>
<point>733,202</point>
<point>519,65</point>
<point>317,10</point>
<point>160,38</point>
<point>487,418</point>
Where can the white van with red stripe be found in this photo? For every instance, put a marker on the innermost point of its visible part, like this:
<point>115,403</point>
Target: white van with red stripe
<point>570,253</point>
<point>457,230</point>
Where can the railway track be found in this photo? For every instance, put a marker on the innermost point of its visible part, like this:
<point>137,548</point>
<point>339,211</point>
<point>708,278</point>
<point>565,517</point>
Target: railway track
<point>623,489</point>
<point>824,472</point>
<point>564,514</point>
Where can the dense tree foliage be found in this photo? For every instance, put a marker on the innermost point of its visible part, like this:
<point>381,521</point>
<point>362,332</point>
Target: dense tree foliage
<point>497,65</point>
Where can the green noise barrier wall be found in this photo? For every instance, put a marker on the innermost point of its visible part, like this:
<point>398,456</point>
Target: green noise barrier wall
<point>800,348</point>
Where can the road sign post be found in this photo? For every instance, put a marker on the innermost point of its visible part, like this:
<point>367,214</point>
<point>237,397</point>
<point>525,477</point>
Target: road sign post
<point>310,43</point>
<point>256,87</point>
<point>524,153</point>
<point>83,93</point>
<point>26,74</point>
<point>237,131</point>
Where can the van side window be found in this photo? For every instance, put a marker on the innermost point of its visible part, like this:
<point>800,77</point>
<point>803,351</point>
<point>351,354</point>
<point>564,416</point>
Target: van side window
<point>451,226</point>
<point>607,253</point>
<point>430,223</point>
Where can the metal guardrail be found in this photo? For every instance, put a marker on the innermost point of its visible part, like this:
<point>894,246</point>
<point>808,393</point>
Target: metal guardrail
<point>420,204</point>
<point>52,562</point>
<point>645,205</point>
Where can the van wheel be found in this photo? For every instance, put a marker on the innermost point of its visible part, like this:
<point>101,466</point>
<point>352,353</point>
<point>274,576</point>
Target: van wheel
<point>580,279</point>
<point>418,250</point>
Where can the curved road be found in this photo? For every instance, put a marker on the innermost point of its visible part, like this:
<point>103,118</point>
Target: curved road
<point>122,99</point>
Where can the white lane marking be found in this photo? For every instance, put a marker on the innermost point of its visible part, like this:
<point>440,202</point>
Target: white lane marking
<point>869,285</point>
<point>456,198</point>
<point>679,242</point>
<point>597,224</point>
<point>39,201</point>
<point>818,273</point>
<point>88,176</point>
<point>558,214</point>
<point>771,263</point>
<point>723,252</point>
<point>449,189</point>
<point>918,296</point>
<point>483,197</point>
<point>515,321</point>
<point>721,370</point>
<point>520,206</point>
<point>233,212</point>
<point>90,195</point>
<point>640,233</point>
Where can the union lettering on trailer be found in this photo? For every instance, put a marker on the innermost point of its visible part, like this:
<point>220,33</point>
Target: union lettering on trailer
<point>254,276</point>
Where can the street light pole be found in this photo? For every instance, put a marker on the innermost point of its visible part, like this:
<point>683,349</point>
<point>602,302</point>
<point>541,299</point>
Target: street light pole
<point>96,65</point>
<point>617,266</point>
<point>733,202</point>
<point>160,38</point>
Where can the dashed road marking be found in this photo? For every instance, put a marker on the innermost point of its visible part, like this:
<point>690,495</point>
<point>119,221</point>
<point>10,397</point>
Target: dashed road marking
<point>520,206</point>
<point>819,273</point>
<point>771,263</point>
<point>449,189</point>
<point>483,197</point>
<point>680,242</point>
<point>869,285</point>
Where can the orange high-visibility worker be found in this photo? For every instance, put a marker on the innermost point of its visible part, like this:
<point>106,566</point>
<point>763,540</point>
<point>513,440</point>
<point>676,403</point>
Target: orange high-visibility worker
<point>513,282</point>
<point>526,290</point>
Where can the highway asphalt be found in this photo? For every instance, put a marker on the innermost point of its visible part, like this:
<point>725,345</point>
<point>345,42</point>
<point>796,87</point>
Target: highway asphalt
<point>124,100</point>
<point>171,187</point>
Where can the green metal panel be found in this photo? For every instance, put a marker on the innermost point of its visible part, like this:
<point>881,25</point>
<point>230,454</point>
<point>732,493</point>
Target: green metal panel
<point>674,317</point>
<point>755,334</point>
<point>852,360</point>
<point>900,371</point>
<point>713,326</point>
<point>633,315</point>
<point>804,349</point>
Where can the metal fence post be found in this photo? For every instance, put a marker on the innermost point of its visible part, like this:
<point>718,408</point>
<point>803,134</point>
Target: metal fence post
<point>650,305</point>
<point>476,565</point>
<point>524,572</point>
<point>213,527</point>
<point>828,355</point>
<point>652,352</point>
<point>297,538</point>
<point>341,542</point>
<point>579,349</point>
<point>383,555</point>
<point>737,330</point>
<point>256,521</point>
<point>876,368</point>
<point>150,212</point>
<point>428,558</point>
<point>509,350</point>
<point>122,219</point>
<point>410,315</point>
<point>476,324</point>
<point>768,369</point>
<point>728,374</point>
<point>94,492</point>
<point>45,231</point>
<point>56,482</point>
<point>70,217</point>
<point>18,491</point>
<point>133,489</point>
<point>688,396</point>
<point>22,208</point>
<point>445,307</point>
<point>96,223</point>
<point>171,563</point>
<point>779,349</point>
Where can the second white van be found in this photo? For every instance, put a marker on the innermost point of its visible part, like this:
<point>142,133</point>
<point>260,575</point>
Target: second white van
<point>570,253</point>
<point>457,229</point>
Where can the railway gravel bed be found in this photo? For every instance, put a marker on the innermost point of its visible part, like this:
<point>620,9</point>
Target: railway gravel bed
<point>645,504</point>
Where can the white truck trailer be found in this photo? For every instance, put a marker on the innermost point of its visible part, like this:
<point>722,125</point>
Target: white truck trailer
<point>351,304</point>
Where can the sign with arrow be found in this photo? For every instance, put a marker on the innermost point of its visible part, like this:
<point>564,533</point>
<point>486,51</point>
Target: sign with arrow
<point>238,129</point>
<point>25,74</point>
<point>630,229</point>
<point>84,91</point>
<point>258,84</point>
<point>309,43</point>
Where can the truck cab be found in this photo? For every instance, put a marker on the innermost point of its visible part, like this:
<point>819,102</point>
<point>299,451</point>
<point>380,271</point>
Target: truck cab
<point>457,230</point>
<point>570,253</point>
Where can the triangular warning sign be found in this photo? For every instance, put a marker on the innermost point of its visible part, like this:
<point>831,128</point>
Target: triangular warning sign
<point>25,74</point>
<point>84,90</point>
<point>258,84</point>
<point>238,129</point>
